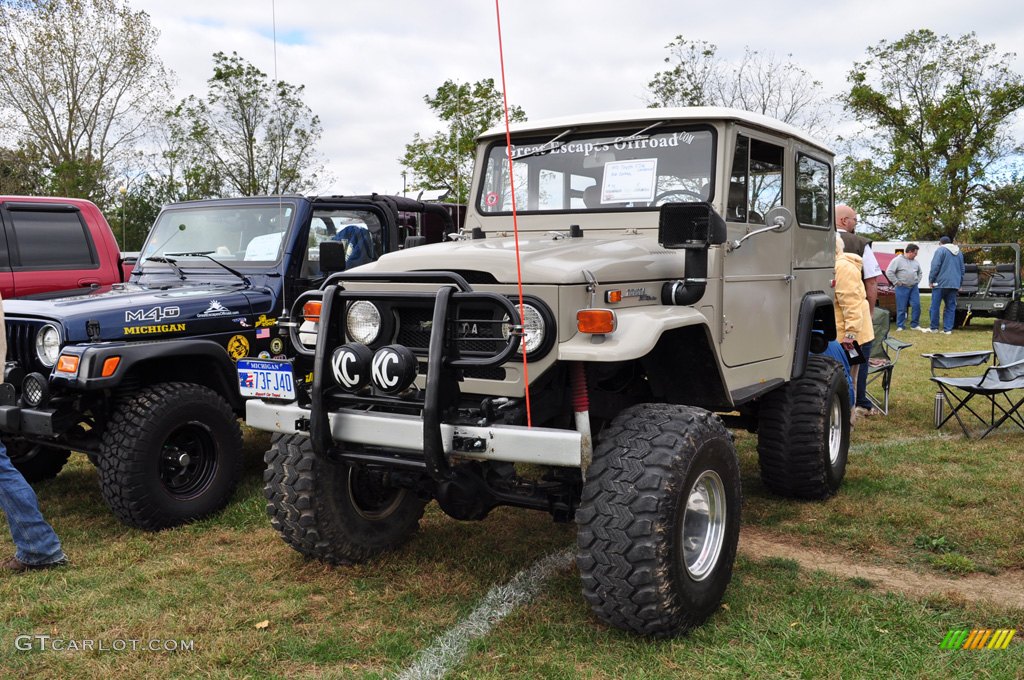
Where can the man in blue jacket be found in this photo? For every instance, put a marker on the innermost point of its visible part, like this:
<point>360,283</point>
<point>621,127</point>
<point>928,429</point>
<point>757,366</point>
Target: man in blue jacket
<point>946,275</point>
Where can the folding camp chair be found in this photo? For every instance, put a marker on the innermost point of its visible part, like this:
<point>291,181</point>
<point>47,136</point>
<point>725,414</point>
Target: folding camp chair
<point>885,352</point>
<point>1002,384</point>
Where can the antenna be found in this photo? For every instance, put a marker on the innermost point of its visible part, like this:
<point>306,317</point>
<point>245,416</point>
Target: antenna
<point>285,324</point>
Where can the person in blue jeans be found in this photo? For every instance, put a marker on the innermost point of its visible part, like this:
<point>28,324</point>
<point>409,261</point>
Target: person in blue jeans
<point>904,272</point>
<point>946,275</point>
<point>36,544</point>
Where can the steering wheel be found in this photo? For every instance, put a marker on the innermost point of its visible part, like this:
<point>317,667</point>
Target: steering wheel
<point>660,198</point>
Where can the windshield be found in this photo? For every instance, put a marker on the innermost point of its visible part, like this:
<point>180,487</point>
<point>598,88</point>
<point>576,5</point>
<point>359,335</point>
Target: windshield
<point>618,171</point>
<point>240,234</point>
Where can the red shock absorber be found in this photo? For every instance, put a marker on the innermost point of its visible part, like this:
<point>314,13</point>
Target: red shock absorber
<point>578,381</point>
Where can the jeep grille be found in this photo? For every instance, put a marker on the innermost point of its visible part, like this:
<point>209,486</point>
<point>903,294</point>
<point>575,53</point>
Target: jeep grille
<point>21,344</point>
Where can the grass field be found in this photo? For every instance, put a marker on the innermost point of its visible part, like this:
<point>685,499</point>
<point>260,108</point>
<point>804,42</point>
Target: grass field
<point>931,503</point>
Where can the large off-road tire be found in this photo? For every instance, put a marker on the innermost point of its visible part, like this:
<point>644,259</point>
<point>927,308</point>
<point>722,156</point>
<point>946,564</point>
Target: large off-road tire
<point>332,511</point>
<point>36,463</point>
<point>803,432</point>
<point>659,519</point>
<point>171,453</point>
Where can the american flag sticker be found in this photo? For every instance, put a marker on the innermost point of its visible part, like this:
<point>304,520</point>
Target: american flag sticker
<point>262,333</point>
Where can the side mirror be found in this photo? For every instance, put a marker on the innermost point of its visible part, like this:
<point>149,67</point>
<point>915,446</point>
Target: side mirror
<point>690,225</point>
<point>779,219</point>
<point>332,257</point>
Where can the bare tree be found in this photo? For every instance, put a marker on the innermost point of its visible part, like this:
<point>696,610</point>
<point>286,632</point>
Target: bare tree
<point>80,83</point>
<point>761,82</point>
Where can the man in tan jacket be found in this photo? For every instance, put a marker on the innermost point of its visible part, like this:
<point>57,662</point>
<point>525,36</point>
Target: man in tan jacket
<point>853,318</point>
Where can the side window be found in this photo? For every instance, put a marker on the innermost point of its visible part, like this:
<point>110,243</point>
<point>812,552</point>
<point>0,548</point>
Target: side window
<point>737,206</point>
<point>813,192</point>
<point>52,240</point>
<point>755,185</point>
<point>360,231</point>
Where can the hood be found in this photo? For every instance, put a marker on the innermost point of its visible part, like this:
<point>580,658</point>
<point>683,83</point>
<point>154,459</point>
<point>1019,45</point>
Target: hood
<point>132,311</point>
<point>952,248</point>
<point>545,259</point>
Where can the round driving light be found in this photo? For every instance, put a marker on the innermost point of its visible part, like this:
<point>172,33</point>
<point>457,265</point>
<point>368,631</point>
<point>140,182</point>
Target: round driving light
<point>48,345</point>
<point>35,390</point>
<point>533,329</point>
<point>394,368</point>
<point>351,366</point>
<point>363,320</point>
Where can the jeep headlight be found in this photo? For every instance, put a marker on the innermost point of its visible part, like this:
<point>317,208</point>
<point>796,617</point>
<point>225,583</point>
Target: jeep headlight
<point>533,329</point>
<point>363,320</point>
<point>48,345</point>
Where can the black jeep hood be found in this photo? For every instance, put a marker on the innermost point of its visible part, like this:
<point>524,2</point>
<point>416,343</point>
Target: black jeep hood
<point>133,311</point>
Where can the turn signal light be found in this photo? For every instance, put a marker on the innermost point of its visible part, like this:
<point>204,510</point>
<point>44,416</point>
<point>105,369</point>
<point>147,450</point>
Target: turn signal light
<point>595,321</point>
<point>110,366</point>
<point>67,364</point>
<point>311,311</point>
<point>613,296</point>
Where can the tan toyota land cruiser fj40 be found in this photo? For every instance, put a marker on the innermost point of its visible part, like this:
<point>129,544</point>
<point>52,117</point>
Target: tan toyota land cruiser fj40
<point>675,269</point>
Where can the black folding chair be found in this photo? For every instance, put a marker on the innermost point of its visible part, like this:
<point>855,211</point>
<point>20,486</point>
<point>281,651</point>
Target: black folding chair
<point>998,385</point>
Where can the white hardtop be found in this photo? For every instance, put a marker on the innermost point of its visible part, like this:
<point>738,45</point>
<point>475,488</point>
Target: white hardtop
<point>693,113</point>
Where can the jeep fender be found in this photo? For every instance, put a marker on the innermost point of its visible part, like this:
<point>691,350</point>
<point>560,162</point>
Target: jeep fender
<point>816,314</point>
<point>674,344</point>
<point>186,359</point>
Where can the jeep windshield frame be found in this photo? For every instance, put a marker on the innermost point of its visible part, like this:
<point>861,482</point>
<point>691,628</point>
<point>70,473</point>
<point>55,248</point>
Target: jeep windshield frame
<point>588,171</point>
<point>246,236</point>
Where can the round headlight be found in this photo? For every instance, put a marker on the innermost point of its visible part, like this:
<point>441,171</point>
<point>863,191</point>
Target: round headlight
<point>48,345</point>
<point>363,322</point>
<point>533,332</point>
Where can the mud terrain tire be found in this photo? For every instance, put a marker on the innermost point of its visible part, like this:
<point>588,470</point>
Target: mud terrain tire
<point>803,432</point>
<point>171,453</point>
<point>659,471</point>
<point>332,511</point>
<point>36,463</point>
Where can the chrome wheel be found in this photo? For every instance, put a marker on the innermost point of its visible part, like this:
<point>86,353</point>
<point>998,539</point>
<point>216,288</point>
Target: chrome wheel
<point>704,525</point>
<point>835,430</point>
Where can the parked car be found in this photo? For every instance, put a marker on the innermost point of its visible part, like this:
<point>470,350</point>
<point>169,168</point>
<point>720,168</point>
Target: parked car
<point>141,376</point>
<point>51,244</point>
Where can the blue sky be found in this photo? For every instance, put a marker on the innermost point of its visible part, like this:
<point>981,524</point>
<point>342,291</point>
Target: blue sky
<point>366,64</point>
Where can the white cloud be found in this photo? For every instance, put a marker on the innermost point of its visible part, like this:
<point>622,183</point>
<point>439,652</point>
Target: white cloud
<point>367,65</point>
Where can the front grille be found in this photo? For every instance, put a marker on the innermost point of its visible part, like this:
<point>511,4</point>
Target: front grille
<point>21,343</point>
<point>477,328</point>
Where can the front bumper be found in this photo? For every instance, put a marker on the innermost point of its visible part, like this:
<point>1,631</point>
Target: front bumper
<point>37,422</point>
<point>395,432</point>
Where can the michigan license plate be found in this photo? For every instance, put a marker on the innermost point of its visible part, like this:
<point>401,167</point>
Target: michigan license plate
<point>266,379</point>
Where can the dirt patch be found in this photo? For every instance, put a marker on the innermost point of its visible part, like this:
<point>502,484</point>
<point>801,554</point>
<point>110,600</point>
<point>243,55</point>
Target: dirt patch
<point>1006,589</point>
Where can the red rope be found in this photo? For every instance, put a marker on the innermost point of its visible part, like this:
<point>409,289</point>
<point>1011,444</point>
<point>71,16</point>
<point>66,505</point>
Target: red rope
<point>515,220</point>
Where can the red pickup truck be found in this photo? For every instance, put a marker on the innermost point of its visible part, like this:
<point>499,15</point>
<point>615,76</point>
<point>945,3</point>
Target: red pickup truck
<point>49,244</point>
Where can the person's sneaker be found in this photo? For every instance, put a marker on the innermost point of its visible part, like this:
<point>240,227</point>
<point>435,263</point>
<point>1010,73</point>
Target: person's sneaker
<point>17,566</point>
<point>898,329</point>
<point>866,412</point>
<point>947,332</point>
<point>924,330</point>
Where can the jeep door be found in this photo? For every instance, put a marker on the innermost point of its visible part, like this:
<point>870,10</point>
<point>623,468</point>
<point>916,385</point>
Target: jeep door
<point>757,277</point>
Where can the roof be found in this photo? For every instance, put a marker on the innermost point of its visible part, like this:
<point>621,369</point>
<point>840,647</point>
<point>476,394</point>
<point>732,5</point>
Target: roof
<point>693,113</point>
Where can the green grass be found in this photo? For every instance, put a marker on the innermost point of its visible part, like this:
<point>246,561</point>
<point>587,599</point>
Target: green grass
<point>914,498</point>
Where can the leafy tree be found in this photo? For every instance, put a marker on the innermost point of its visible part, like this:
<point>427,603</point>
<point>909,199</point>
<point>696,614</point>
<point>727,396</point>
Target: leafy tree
<point>759,82</point>
<point>21,172</point>
<point>248,136</point>
<point>445,159</point>
<point>936,114</point>
<point>79,80</point>
<point>1000,213</point>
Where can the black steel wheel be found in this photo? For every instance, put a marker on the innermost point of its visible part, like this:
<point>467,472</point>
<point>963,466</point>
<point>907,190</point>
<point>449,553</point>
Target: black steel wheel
<point>171,453</point>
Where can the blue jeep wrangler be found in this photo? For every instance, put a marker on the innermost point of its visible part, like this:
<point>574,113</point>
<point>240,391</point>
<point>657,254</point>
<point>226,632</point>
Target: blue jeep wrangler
<point>141,376</point>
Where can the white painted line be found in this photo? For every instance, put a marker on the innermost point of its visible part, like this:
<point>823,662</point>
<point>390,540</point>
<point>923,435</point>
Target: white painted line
<point>449,649</point>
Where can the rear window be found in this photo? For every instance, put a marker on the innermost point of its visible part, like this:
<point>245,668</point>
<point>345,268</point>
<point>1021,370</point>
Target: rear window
<point>51,240</point>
